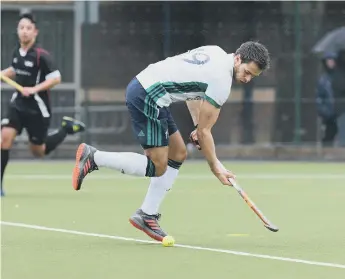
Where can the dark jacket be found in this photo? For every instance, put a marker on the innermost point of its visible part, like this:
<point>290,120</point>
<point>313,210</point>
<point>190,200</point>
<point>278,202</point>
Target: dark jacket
<point>325,97</point>
<point>325,94</point>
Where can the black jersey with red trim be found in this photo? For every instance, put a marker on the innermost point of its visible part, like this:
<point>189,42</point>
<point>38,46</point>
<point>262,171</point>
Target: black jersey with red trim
<point>33,67</point>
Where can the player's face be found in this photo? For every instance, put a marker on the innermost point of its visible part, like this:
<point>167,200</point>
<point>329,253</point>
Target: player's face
<point>245,72</point>
<point>27,31</point>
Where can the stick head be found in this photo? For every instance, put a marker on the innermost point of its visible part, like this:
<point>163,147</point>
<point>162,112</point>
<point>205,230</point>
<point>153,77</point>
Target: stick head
<point>272,228</point>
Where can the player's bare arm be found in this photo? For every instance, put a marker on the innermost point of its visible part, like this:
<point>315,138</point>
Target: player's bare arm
<point>45,85</point>
<point>207,118</point>
<point>8,72</point>
<point>52,77</point>
<point>194,110</point>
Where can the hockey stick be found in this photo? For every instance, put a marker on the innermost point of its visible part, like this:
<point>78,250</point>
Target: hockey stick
<point>12,83</point>
<point>251,204</point>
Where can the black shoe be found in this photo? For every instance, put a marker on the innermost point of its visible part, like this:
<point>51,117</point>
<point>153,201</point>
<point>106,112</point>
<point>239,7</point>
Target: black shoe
<point>148,224</point>
<point>84,164</point>
<point>72,126</point>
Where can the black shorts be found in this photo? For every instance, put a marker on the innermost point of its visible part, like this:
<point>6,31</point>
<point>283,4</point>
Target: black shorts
<point>35,124</point>
<point>151,124</point>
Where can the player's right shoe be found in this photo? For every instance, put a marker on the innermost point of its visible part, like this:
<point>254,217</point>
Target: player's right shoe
<point>148,224</point>
<point>72,126</point>
<point>84,164</point>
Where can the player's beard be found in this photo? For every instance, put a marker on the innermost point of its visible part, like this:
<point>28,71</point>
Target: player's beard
<point>27,42</point>
<point>234,74</point>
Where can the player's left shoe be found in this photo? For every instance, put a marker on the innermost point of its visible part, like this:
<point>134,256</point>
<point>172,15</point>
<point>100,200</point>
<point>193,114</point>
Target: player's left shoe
<point>148,224</point>
<point>84,164</point>
<point>72,126</point>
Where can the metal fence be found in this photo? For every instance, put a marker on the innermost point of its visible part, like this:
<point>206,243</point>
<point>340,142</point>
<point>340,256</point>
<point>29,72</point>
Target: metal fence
<point>100,46</point>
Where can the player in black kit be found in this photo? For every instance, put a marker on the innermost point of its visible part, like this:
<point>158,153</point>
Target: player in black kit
<point>32,67</point>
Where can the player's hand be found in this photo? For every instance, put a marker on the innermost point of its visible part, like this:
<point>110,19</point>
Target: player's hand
<point>222,173</point>
<point>27,91</point>
<point>194,139</point>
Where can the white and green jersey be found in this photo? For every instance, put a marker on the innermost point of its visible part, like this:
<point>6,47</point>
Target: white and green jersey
<point>202,73</point>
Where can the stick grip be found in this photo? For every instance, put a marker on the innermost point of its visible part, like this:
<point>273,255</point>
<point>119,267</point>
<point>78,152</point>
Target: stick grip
<point>12,83</point>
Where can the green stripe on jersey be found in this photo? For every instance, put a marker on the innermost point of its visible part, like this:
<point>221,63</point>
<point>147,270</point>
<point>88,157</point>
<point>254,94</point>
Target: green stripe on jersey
<point>184,87</point>
<point>156,91</point>
<point>212,102</point>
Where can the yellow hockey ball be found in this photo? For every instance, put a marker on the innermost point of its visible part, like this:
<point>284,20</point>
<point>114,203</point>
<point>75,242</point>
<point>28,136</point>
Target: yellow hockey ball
<point>168,241</point>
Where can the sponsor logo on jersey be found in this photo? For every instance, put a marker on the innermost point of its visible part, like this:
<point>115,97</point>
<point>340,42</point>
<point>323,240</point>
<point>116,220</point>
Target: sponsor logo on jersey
<point>28,64</point>
<point>196,98</point>
<point>21,72</point>
<point>15,60</point>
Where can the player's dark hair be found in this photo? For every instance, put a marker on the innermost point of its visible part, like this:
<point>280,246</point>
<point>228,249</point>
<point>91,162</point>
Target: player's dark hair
<point>29,17</point>
<point>254,52</point>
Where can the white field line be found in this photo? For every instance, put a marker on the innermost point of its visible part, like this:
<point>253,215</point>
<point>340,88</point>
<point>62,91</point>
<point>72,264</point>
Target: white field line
<point>195,176</point>
<point>237,253</point>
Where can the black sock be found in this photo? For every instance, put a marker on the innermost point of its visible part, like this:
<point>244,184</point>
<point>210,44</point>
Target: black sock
<point>54,139</point>
<point>150,169</point>
<point>4,161</point>
<point>174,164</point>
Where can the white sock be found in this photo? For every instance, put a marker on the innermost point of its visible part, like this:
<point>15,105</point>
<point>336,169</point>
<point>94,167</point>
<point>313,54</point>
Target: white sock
<point>159,186</point>
<point>126,162</point>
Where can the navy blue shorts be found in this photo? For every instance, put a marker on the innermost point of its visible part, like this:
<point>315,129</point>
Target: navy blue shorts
<point>151,124</point>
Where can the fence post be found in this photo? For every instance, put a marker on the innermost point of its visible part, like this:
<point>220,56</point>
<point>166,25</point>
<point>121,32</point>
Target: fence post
<point>167,27</point>
<point>86,102</point>
<point>298,73</point>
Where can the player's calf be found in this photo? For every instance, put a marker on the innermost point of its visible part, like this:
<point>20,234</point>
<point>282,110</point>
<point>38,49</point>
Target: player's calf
<point>89,158</point>
<point>145,218</point>
<point>69,126</point>
<point>8,134</point>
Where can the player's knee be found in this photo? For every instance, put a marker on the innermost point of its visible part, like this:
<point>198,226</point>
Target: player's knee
<point>6,142</point>
<point>177,148</point>
<point>178,155</point>
<point>181,154</point>
<point>37,151</point>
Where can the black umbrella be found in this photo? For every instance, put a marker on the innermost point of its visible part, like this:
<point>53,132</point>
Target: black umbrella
<point>333,41</point>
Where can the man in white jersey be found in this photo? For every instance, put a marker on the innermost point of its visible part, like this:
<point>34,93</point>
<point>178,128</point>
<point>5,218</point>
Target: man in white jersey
<point>202,77</point>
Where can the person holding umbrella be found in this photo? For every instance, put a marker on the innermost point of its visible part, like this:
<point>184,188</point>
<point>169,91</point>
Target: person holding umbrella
<point>331,85</point>
<point>325,98</point>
